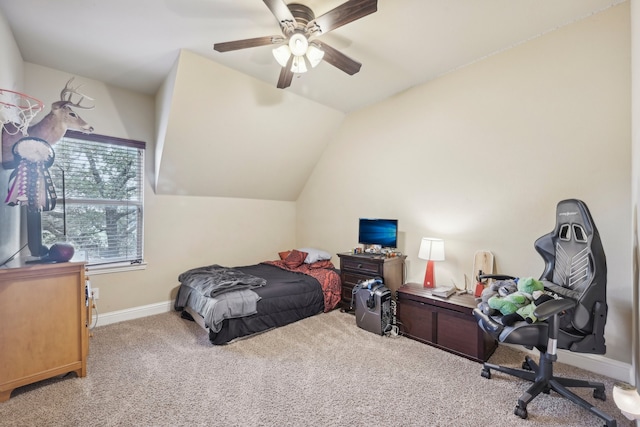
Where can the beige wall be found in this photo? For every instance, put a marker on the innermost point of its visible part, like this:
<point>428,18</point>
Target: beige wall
<point>11,75</point>
<point>181,232</point>
<point>480,158</point>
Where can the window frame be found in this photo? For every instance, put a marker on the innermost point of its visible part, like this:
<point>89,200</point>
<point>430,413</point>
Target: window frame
<point>128,265</point>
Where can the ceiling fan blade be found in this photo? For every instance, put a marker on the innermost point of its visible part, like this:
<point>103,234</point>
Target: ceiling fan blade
<point>344,14</point>
<point>338,59</point>
<point>280,11</point>
<point>246,43</point>
<point>286,75</point>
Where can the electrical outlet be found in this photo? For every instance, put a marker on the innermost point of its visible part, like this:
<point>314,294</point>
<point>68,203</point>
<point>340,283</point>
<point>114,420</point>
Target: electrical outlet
<point>96,293</point>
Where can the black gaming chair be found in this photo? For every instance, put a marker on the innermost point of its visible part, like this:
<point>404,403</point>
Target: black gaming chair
<point>576,270</point>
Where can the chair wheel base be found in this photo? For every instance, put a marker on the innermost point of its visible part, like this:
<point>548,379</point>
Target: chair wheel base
<point>599,394</point>
<point>521,411</point>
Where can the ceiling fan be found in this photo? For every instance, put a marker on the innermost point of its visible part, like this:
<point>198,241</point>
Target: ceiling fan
<point>298,44</point>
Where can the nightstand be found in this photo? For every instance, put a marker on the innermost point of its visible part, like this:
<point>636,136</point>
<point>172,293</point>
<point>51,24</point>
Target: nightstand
<point>355,268</point>
<point>446,323</point>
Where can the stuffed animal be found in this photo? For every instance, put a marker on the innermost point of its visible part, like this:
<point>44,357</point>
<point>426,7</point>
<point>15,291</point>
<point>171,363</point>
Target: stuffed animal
<point>526,313</point>
<point>529,285</point>
<point>495,288</point>
<point>511,303</point>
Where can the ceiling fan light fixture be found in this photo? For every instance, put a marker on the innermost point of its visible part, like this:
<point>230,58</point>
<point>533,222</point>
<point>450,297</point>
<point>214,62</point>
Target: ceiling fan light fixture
<point>314,55</point>
<point>296,49</point>
<point>298,44</point>
<point>282,54</point>
<point>299,65</point>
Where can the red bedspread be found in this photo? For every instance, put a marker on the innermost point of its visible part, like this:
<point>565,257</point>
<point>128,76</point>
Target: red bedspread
<point>324,272</point>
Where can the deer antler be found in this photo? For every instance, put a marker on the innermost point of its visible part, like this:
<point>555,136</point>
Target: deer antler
<point>68,92</point>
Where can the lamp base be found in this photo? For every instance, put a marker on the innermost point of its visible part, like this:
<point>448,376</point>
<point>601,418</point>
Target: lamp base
<point>429,278</point>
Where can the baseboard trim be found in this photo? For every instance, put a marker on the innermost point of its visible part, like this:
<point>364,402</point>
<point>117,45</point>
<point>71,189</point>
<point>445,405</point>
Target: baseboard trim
<point>599,364</point>
<point>595,363</point>
<point>591,362</point>
<point>132,313</point>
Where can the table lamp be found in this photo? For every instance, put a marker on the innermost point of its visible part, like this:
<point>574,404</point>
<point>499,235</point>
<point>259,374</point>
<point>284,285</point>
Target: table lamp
<point>432,250</point>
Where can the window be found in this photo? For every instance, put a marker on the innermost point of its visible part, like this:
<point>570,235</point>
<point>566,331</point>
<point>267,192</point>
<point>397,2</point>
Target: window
<point>99,186</point>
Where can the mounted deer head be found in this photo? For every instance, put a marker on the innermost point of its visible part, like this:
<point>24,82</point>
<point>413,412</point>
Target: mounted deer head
<point>54,125</point>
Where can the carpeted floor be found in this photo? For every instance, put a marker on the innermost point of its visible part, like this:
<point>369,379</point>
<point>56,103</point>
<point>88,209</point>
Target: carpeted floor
<point>322,371</point>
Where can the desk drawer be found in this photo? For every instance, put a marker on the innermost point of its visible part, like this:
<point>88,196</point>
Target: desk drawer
<point>364,265</point>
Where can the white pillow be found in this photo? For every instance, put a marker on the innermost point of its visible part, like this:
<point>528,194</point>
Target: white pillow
<point>314,255</point>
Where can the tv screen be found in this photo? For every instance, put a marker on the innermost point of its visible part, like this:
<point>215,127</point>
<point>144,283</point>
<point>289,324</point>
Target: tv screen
<point>374,231</point>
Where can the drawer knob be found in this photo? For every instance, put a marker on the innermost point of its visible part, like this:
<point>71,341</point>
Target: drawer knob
<point>359,265</point>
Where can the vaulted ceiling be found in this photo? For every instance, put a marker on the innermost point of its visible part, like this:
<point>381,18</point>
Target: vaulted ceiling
<point>243,136</point>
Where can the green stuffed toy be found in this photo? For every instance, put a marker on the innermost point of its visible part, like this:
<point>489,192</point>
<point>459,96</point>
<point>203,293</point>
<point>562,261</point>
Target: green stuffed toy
<point>526,313</point>
<point>535,289</point>
<point>529,285</point>
<point>523,297</point>
<point>495,288</point>
<point>509,304</point>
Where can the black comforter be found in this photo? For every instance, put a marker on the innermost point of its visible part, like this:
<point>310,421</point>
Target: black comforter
<point>286,297</point>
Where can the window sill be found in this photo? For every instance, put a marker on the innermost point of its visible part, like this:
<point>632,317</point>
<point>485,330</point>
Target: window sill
<point>115,268</point>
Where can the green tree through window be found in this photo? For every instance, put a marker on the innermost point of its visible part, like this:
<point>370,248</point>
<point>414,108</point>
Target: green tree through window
<point>99,184</point>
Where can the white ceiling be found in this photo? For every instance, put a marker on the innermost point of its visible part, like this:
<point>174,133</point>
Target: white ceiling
<point>134,43</point>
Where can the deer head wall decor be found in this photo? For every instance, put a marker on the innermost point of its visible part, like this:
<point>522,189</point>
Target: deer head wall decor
<point>53,126</point>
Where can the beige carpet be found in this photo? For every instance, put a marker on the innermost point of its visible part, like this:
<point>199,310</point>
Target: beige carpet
<point>321,371</point>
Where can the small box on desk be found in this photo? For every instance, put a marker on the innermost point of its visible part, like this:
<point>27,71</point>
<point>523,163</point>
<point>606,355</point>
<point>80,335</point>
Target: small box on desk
<point>443,291</point>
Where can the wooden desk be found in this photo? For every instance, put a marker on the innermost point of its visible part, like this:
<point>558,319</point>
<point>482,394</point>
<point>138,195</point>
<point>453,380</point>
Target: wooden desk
<point>446,323</point>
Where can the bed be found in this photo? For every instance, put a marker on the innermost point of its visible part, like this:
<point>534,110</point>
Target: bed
<point>237,302</point>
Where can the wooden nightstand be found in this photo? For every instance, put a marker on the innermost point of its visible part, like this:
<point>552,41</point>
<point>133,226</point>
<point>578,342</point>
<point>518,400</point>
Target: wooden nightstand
<point>446,323</point>
<point>358,267</point>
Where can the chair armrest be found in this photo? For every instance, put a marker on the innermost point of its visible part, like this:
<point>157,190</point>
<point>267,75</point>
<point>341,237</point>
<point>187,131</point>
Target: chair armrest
<point>496,276</point>
<point>553,307</point>
<point>487,323</point>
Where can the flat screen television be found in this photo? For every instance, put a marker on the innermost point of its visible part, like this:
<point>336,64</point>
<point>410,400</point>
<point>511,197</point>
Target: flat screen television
<point>381,232</point>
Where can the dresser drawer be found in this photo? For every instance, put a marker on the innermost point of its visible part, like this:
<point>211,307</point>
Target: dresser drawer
<point>358,268</point>
<point>351,279</point>
<point>365,266</point>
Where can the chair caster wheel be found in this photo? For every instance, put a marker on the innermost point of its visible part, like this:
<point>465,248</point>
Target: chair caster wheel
<point>521,412</point>
<point>526,367</point>
<point>599,393</point>
<point>486,373</point>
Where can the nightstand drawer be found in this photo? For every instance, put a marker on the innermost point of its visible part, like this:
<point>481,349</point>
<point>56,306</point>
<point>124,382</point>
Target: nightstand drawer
<point>365,266</point>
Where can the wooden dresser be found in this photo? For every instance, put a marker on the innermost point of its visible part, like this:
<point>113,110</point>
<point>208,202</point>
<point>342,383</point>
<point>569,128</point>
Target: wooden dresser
<point>355,268</point>
<point>43,316</point>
